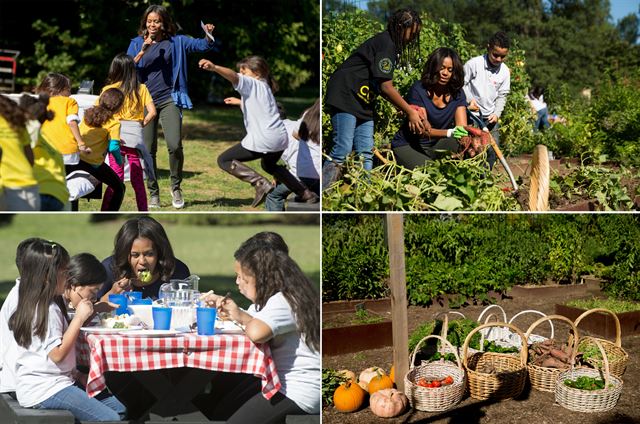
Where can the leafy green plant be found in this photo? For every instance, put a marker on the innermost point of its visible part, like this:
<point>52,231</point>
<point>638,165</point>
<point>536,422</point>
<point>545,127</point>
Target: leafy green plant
<point>614,305</point>
<point>585,383</point>
<point>599,183</point>
<point>331,380</point>
<point>365,317</point>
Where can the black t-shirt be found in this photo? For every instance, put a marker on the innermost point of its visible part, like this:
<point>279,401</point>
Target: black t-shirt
<point>439,118</point>
<point>180,272</point>
<point>354,86</point>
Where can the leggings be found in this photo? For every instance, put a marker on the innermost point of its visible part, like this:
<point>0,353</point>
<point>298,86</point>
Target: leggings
<point>268,161</point>
<point>106,175</point>
<point>136,176</point>
<point>413,156</point>
<point>260,410</point>
<point>170,117</point>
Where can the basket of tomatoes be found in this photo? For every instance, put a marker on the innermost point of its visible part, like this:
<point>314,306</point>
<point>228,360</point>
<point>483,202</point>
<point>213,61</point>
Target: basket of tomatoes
<point>437,385</point>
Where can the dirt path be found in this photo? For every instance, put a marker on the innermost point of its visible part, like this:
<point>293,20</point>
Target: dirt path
<point>531,407</point>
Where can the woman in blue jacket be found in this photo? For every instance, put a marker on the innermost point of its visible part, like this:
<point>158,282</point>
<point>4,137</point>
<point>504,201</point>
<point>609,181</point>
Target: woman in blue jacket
<point>161,60</point>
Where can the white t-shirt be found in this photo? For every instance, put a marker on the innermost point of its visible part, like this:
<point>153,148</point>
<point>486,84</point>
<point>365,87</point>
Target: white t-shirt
<point>265,130</point>
<point>488,85</point>
<point>303,157</point>
<point>538,104</point>
<point>298,366</point>
<point>40,377</point>
<point>8,345</point>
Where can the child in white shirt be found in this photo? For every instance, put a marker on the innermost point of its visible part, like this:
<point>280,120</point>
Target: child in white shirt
<point>46,360</point>
<point>266,137</point>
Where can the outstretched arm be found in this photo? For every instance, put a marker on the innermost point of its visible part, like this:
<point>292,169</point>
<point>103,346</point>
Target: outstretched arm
<point>228,74</point>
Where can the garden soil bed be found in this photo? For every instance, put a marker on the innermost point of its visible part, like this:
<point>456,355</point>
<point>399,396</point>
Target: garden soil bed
<point>531,407</point>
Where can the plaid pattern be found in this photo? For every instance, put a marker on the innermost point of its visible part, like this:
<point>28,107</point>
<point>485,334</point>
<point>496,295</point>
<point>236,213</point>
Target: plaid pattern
<point>224,352</point>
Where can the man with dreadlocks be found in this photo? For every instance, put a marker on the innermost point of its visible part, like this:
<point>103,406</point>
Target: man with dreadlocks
<point>354,86</point>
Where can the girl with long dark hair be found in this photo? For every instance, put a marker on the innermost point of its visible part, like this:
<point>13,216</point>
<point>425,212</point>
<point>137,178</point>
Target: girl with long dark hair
<point>439,92</point>
<point>46,359</point>
<point>286,314</point>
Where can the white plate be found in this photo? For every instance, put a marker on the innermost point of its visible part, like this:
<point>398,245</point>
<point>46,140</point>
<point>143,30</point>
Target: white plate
<point>150,333</point>
<point>106,330</point>
<point>227,327</point>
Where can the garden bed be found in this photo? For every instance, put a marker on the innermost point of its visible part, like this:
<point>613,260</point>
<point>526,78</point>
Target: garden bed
<point>603,324</point>
<point>531,406</point>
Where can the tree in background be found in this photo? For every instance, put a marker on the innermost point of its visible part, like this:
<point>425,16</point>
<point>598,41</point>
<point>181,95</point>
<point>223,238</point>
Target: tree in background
<point>80,37</point>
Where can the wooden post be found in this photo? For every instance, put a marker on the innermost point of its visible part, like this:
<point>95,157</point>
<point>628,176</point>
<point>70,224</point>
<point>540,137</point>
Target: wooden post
<point>395,240</point>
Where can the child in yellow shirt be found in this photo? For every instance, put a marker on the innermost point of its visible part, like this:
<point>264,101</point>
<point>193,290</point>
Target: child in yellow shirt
<point>122,75</point>
<point>20,188</point>
<point>101,133</point>
<point>62,131</point>
<point>48,167</point>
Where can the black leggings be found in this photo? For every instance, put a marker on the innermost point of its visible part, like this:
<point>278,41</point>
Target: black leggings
<point>260,410</point>
<point>104,174</point>
<point>268,161</point>
<point>411,156</point>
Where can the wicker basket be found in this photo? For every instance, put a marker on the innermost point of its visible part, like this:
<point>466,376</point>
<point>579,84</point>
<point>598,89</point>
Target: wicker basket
<point>493,334</point>
<point>436,398</point>
<point>493,375</point>
<point>589,400</point>
<point>545,378</point>
<point>502,336</point>
<point>533,338</point>
<point>614,350</point>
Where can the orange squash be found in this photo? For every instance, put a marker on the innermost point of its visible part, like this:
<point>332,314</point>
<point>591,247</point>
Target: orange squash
<point>366,376</point>
<point>379,382</point>
<point>392,374</point>
<point>348,397</point>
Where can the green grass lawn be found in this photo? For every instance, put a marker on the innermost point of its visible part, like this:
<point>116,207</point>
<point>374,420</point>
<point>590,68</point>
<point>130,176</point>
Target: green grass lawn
<point>207,132</point>
<point>206,249</point>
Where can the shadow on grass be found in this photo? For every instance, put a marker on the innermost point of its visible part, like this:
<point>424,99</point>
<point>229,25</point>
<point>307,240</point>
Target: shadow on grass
<point>223,201</point>
<point>165,173</point>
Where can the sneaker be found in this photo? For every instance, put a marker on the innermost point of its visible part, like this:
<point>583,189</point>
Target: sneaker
<point>154,202</point>
<point>176,199</point>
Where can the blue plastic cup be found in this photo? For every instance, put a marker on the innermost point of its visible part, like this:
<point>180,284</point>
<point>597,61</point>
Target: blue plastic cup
<point>121,300</point>
<point>145,301</point>
<point>206,318</point>
<point>161,317</point>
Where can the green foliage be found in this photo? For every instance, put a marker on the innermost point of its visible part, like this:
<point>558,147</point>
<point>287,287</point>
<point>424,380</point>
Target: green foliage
<point>585,383</point>
<point>593,182</point>
<point>331,380</point>
<point>445,185</point>
<point>464,257</point>
<point>614,305</point>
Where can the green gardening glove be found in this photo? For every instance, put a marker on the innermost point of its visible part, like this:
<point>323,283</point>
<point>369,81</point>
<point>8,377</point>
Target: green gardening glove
<point>459,132</point>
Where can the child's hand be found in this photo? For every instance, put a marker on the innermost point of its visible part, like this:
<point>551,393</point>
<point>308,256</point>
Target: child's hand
<point>233,101</point>
<point>207,65</point>
<point>84,310</point>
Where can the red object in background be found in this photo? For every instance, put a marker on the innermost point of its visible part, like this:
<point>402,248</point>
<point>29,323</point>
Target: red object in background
<point>8,69</point>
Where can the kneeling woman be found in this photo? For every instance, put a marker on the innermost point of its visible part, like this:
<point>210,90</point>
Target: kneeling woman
<point>286,314</point>
<point>440,93</point>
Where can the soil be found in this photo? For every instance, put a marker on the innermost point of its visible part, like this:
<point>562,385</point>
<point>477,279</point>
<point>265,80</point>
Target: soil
<point>531,407</point>
<point>521,168</point>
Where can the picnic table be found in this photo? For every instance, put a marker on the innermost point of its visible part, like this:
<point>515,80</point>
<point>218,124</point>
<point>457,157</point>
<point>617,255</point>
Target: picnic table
<point>174,369</point>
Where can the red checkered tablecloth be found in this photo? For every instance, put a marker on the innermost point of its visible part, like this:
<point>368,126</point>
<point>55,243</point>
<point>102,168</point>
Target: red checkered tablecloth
<point>221,352</point>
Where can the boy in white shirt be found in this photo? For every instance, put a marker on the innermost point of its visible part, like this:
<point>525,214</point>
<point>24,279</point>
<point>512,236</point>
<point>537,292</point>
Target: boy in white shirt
<point>487,82</point>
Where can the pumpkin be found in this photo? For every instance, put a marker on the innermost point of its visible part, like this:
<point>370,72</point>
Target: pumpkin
<point>392,373</point>
<point>348,397</point>
<point>379,382</point>
<point>366,376</point>
<point>387,403</point>
<point>347,374</point>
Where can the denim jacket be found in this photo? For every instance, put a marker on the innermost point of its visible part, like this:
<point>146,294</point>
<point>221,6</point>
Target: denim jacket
<point>182,45</point>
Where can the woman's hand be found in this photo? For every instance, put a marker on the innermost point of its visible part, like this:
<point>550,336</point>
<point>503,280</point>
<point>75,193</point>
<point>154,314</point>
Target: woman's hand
<point>416,124</point>
<point>233,101</point>
<point>207,65</point>
<point>145,45</point>
<point>122,285</point>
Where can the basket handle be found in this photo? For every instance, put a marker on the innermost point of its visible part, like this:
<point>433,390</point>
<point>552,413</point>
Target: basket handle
<point>482,333</point>
<point>533,311</point>
<point>572,340</point>
<point>495,305</point>
<point>607,375</point>
<point>523,351</point>
<point>445,321</point>
<point>606,311</point>
<point>442,339</point>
